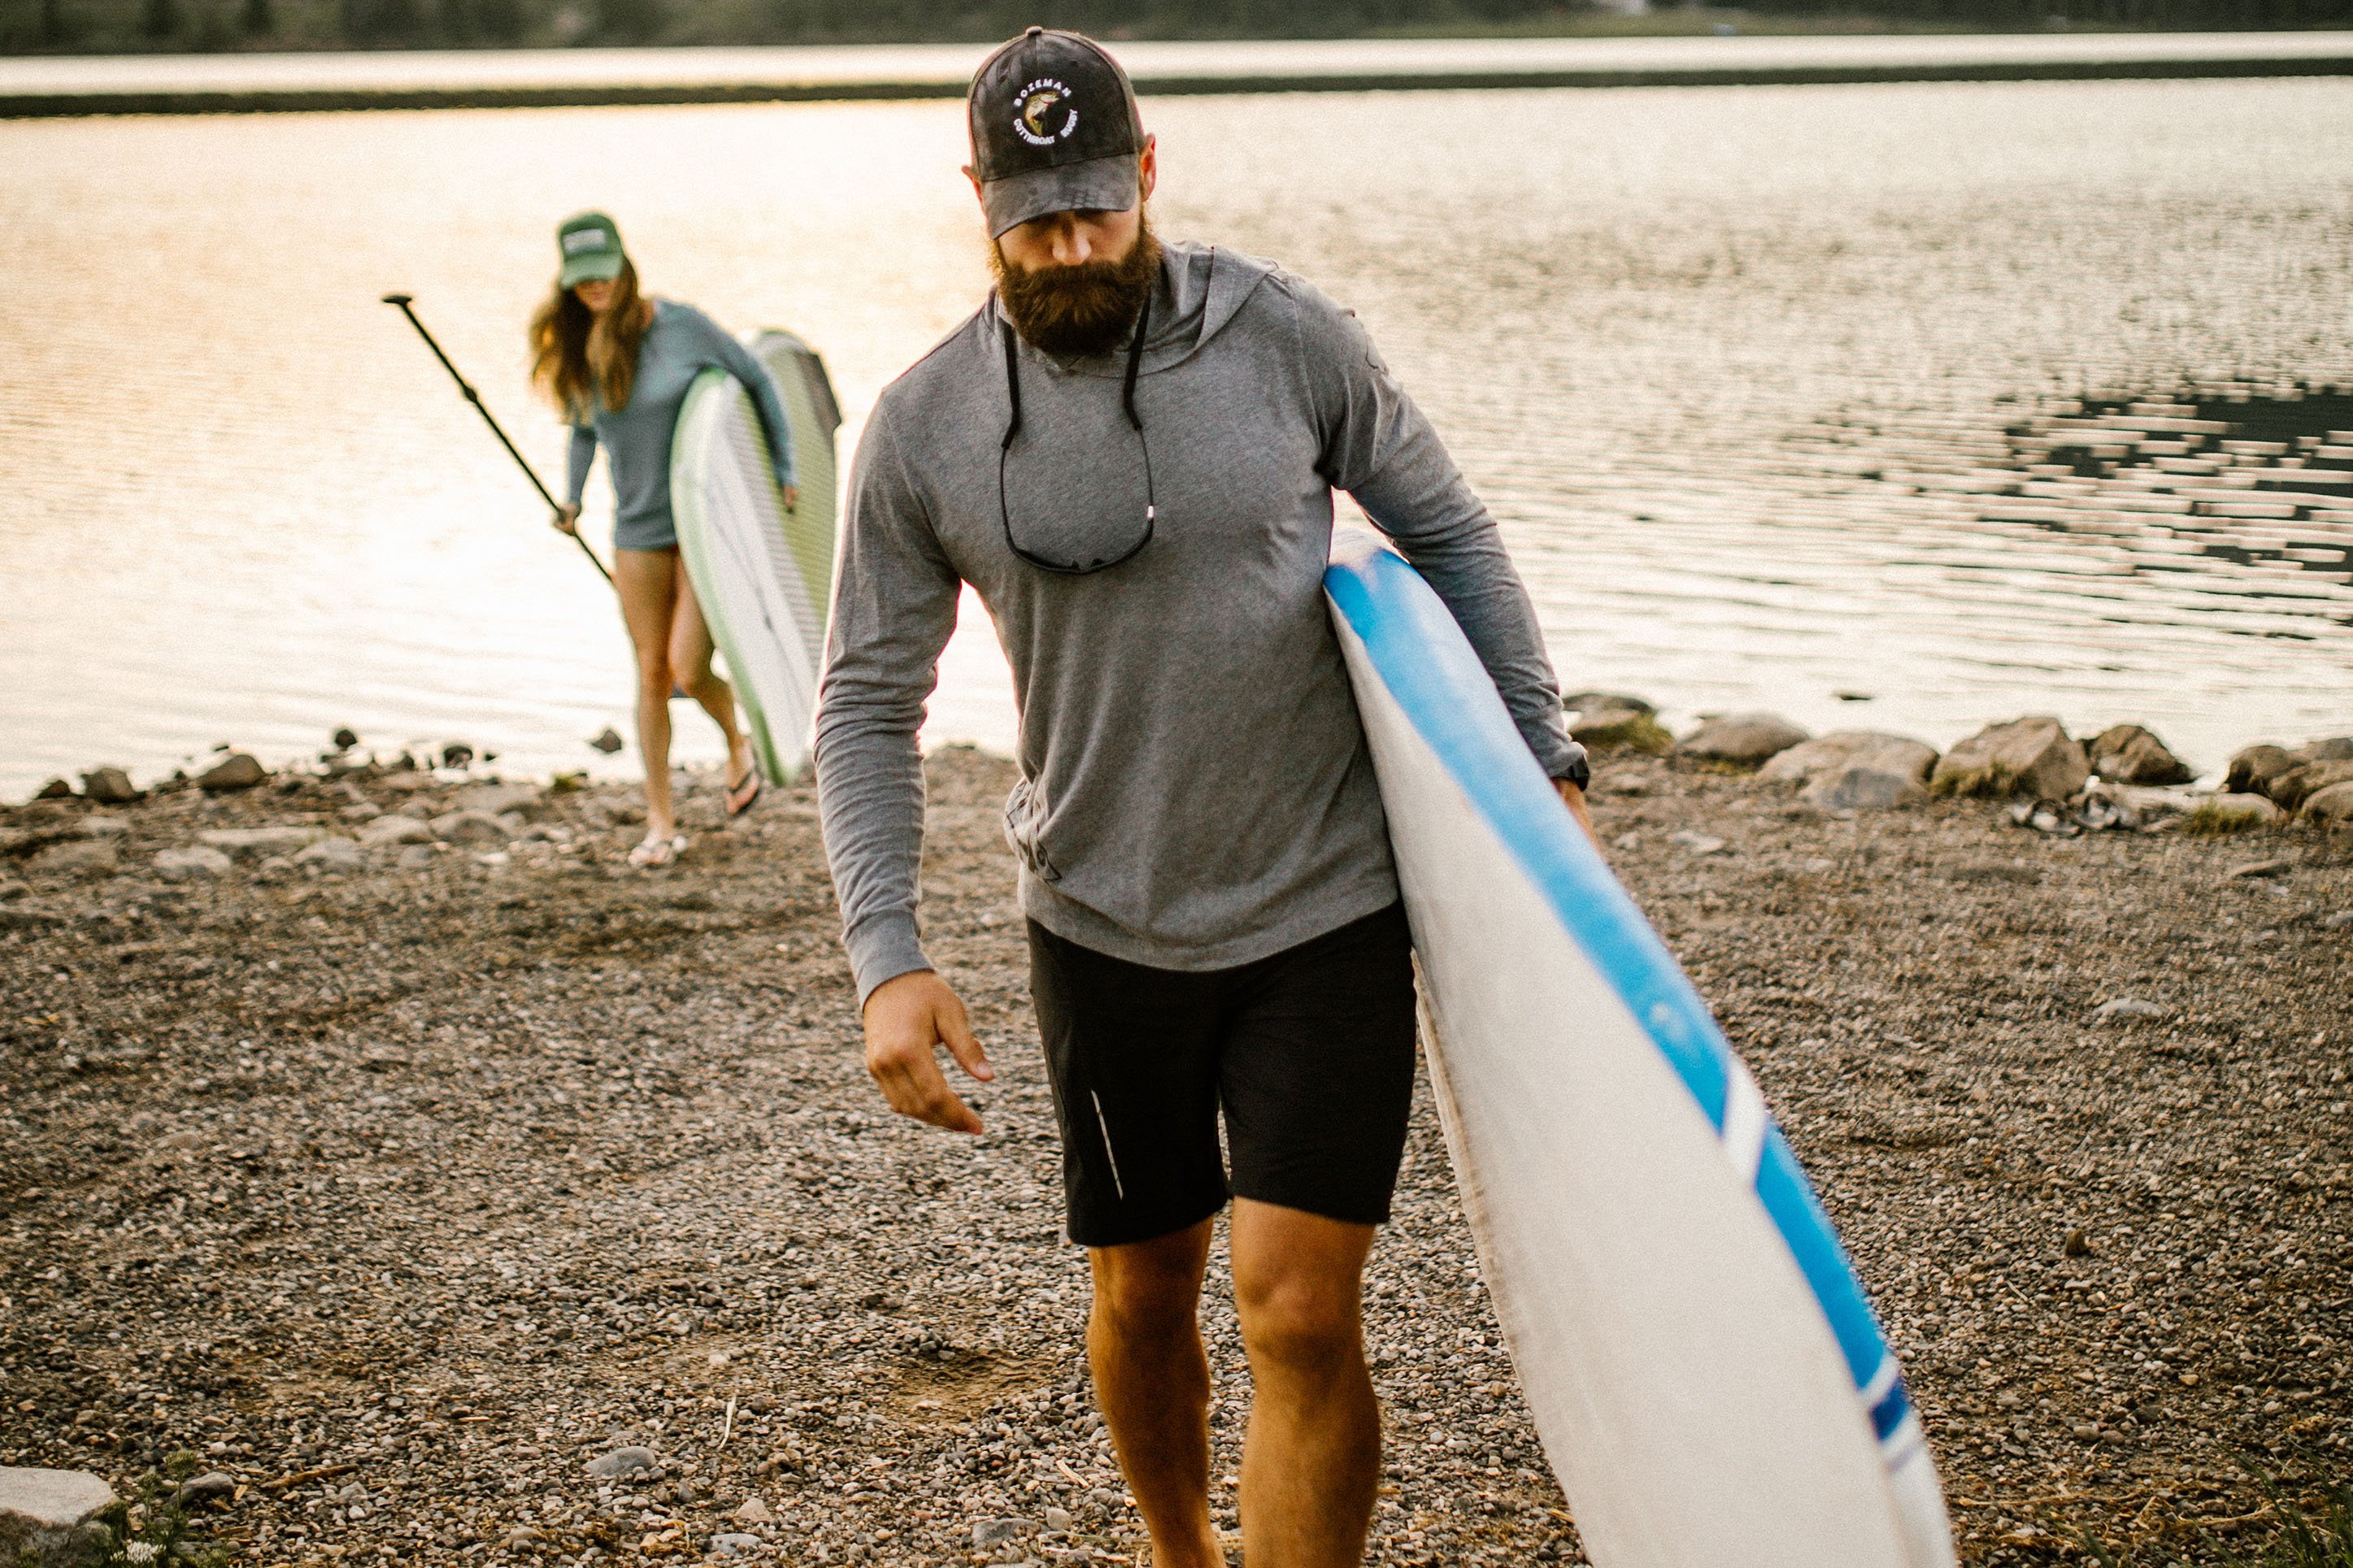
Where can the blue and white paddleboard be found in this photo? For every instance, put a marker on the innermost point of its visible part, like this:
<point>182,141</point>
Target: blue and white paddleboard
<point>1705,1374</point>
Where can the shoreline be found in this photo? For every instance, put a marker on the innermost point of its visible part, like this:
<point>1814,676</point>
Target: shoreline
<point>2059,766</point>
<point>41,87</point>
<point>399,1191</point>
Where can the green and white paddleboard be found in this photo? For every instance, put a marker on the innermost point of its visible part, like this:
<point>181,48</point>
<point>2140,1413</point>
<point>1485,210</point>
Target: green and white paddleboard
<point>763,576</point>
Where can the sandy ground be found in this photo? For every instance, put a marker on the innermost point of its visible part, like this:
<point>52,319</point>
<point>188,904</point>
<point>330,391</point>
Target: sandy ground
<point>398,1195</point>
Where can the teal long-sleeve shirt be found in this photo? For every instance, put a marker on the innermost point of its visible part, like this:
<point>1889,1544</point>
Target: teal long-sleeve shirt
<point>679,345</point>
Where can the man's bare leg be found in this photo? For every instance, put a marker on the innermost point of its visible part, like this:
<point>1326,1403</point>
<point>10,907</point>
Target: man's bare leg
<point>1311,1462</point>
<point>1152,1380</point>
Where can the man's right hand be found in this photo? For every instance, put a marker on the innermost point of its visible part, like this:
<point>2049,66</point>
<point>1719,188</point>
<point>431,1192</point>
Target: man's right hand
<point>907,1017</point>
<point>566,518</point>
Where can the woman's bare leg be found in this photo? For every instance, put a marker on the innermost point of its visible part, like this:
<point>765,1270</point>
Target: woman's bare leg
<point>690,662</point>
<point>649,582</point>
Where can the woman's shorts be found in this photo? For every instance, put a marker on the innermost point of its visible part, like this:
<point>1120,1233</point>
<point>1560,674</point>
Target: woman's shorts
<point>645,533</point>
<point>1308,1053</point>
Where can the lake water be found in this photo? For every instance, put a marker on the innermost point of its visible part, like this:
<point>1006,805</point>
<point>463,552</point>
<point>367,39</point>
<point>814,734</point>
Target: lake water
<point>948,66</point>
<point>1775,390</point>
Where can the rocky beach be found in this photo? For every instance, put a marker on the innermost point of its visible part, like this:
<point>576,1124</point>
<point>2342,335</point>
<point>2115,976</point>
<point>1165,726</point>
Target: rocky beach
<point>392,1174</point>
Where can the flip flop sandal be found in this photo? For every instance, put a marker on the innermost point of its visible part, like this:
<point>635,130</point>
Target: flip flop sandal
<point>737,807</point>
<point>655,853</point>
<point>738,803</point>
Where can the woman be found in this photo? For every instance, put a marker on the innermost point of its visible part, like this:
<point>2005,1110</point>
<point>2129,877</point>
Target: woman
<point>617,365</point>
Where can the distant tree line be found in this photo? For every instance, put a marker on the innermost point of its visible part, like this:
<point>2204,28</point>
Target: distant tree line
<point>114,26</point>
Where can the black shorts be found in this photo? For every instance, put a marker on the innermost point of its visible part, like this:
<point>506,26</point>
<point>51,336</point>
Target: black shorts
<point>1308,1052</point>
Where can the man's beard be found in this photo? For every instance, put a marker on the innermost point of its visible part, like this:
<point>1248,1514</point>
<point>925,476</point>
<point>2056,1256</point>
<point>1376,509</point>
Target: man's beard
<point>1073,312</point>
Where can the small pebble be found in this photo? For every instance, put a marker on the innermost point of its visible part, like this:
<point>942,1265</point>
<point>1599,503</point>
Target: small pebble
<point>621,1462</point>
<point>989,1533</point>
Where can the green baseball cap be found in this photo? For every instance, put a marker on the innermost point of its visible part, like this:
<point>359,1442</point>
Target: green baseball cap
<point>590,246</point>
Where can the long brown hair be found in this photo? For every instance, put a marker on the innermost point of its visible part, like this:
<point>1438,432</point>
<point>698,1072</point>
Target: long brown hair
<point>581,359</point>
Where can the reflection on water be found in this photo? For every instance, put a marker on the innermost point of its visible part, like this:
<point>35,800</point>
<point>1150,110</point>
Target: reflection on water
<point>1779,393</point>
<point>2201,478</point>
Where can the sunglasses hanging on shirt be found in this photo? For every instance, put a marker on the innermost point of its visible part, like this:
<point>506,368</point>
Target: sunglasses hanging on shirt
<point>1135,422</point>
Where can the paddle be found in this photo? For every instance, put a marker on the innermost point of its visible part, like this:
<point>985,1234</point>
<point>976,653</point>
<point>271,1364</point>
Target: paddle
<point>403,303</point>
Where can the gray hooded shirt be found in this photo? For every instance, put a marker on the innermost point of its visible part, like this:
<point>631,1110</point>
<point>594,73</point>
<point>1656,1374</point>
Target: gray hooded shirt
<point>1195,790</point>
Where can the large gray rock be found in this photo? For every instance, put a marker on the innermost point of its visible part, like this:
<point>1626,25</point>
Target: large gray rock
<point>332,855</point>
<point>389,832</point>
<point>1743,740</point>
<point>628,1461</point>
<point>1802,764</point>
<point>2030,756</point>
<point>2133,807</point>
<point>2339,749</point>
<point>1594,701</point>
<point>2255,766</point>
<point>2330,808</point>
<point>988,1532</point>
<point>235,771</point>
<point>197,861</point>
<point>469,827</point>
<point>1607,722</point>
<point>495,798</point>
<point>50,1519</point>
<point>1856,770</point>
<point>108,787</point>
<point>408,783</point>
<point>1867,787</point>
<point>2298,784</point>
<point>77,857</point>
<point>2126,754</point>
<point>2220,814</point>
<point>257,843</point>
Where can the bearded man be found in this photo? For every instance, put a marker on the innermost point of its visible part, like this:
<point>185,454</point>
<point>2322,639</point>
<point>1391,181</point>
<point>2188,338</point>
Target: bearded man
<point>1130,452</point>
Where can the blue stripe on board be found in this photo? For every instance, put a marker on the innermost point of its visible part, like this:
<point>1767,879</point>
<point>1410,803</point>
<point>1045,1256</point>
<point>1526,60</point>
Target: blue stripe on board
<point>1447,695</point>
<point>1788,1197</point>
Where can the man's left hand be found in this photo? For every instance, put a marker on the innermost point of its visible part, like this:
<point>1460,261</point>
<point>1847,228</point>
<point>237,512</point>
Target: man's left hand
<point>1573,798</point>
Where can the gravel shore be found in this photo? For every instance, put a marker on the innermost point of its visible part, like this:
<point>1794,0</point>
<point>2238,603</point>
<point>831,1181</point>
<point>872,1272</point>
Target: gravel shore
<point>401,1184</point>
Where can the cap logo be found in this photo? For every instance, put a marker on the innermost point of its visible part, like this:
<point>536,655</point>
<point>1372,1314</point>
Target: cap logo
<point>1039,106</point>
<point>581,239</point>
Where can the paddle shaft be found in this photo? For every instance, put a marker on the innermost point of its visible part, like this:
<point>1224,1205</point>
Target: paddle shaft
<point>403,303</point>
